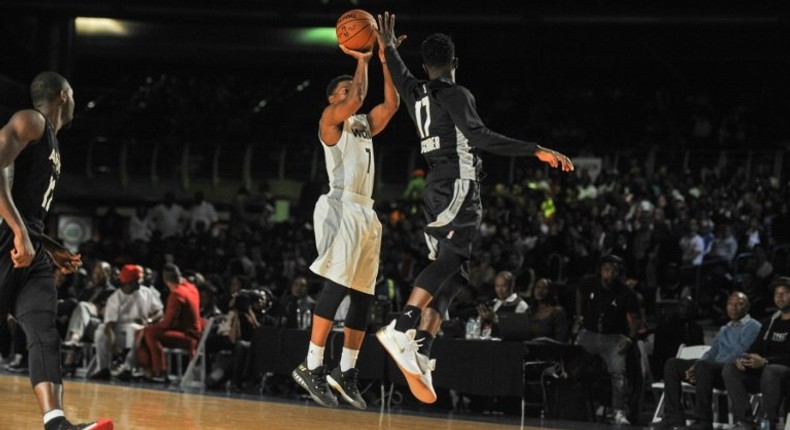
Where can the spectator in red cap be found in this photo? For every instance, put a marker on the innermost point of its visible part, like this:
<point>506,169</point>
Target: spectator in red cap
<point>127,312</point>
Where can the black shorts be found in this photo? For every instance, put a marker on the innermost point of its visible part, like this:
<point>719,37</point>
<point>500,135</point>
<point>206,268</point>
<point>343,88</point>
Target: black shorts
<point>453,213</point>
<point>29,289</point>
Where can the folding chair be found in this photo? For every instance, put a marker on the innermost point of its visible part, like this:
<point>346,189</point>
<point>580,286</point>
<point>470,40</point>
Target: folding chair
<point>195,375</point>
<point>686,353</point>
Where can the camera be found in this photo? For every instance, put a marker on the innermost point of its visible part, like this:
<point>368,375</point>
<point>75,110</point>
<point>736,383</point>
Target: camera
<point>260,301</point>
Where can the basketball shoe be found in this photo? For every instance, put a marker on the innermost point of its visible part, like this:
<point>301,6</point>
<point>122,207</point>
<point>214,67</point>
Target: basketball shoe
<point>403,349</point>
<point>102,424</point>
<point>345,383</point>
<point>314,381</point>
<point>427,365</point>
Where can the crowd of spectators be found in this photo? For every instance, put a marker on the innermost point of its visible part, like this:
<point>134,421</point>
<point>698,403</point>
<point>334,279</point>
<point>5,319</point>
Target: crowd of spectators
<point>686,235</point>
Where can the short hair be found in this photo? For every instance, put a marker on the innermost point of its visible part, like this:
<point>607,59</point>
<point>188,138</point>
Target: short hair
<point>437,50</point>
<point>171,273</point>
<point>46,86</point>
<point>330,87</point>
<point>508,277</point>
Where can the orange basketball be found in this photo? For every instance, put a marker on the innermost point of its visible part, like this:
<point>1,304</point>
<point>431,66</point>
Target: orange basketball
<point>356,29</point>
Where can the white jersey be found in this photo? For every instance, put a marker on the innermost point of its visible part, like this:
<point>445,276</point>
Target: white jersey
<point>349,163</point>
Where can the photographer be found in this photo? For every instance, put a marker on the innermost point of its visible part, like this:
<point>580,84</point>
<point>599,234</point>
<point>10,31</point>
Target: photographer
<point>249,309</point>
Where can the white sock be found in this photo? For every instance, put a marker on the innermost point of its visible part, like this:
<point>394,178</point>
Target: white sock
<point>315,356</point>
<point>51,415</point>
<point>348,359</point>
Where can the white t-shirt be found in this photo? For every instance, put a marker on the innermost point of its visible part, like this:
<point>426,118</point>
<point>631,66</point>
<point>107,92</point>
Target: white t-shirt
<point>139,229</point>
<point>168,220</point>
<point>205,213</point>
<point>125,308</point>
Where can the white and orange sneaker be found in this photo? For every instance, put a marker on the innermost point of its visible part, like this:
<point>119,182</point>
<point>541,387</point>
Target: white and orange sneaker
<point>427,393</point>
<point>403,349</point>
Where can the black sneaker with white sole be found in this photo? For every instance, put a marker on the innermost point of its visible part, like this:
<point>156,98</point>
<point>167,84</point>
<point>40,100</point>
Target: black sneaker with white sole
<point>314,381</point>
<point>345,383</point>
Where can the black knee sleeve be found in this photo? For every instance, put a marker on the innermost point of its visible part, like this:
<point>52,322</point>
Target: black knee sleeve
<point>330,299</point>
<point>448,291</point>
<point>357,316</point>
<point>436,273</point>
<point>43,344</point>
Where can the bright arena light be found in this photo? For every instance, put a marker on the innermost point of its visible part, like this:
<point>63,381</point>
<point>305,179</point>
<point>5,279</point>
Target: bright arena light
<point>315,36</point>
<point>100,27</point>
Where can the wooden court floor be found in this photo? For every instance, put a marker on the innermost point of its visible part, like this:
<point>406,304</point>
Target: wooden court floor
<point>143,409</point>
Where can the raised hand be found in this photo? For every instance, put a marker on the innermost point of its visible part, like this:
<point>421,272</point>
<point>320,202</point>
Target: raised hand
<point>386,33</point>
<point>357,54</point>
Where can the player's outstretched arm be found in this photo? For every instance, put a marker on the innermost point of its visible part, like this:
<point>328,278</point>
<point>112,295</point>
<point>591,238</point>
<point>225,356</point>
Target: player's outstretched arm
<point>382,113</point>
<point>554,159</point>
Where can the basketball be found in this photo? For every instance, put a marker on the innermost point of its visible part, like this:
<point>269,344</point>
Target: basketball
<point>356,29</point>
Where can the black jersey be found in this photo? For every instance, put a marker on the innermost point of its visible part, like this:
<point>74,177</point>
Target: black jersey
<point>35,174</point>
<point>448,124</point>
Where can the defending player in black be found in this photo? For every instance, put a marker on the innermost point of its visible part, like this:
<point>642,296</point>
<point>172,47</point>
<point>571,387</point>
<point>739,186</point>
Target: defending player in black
<point>451,133</point>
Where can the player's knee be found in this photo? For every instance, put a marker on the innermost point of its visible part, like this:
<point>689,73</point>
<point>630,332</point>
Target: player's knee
<point>356,318</point>
<point>331,296</point>
<point>39,328</point>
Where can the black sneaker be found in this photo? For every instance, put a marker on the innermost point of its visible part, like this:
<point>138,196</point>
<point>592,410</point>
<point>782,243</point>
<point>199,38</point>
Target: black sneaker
<point>314,381</point>
<point>345,383</point>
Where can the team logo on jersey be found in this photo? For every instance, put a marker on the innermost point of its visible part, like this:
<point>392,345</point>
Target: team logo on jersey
<point>779,337</point>
<point>54,156</point>
<point>360,132</point>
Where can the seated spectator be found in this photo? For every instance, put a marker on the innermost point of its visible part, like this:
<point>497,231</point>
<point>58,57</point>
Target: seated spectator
<point>248,311</point>
<point>181,326</point>
<point>547,319</point>
<point>672,330</point>
<point>127,312</point>
<point>765,368</point>
<point>725,245</point>
<point>692,245</point>
<point>506,301</point>
<point>730,343</point>
<point>86,316</point>
<point>296,308</point>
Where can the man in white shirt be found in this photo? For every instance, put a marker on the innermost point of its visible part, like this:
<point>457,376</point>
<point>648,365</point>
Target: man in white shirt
<point>168,216</point>
<point>692,245</point>
<point>725,246</point>
<point>128,310</point>
<point>506,301</point>
<point>140,226</point>
<point>202,215</point>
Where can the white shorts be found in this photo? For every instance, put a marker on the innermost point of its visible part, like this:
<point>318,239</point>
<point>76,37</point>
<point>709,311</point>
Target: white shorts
<point>348,239</point>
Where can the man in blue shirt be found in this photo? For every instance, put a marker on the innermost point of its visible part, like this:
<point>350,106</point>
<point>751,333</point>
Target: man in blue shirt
<point>733,339</point>
<point>765,367</point>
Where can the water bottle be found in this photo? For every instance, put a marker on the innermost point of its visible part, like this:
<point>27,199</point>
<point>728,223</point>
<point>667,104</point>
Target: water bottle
<point>473,328</point>
<point>299,318</point>
<point>765,424</point>
<point>307,318</point>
